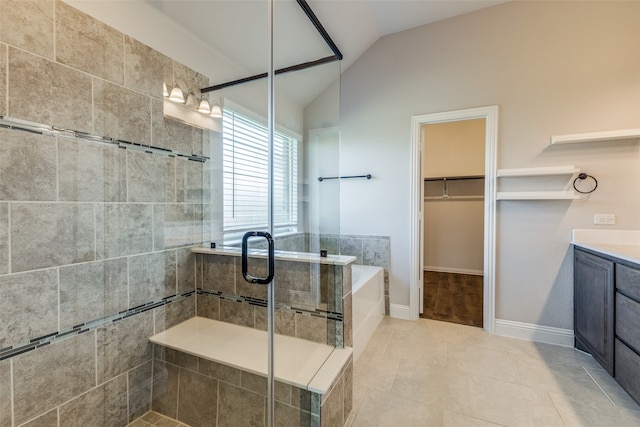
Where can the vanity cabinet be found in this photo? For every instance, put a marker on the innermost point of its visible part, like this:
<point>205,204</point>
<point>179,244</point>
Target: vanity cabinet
<point>607,315</point>
<point>593,301</point>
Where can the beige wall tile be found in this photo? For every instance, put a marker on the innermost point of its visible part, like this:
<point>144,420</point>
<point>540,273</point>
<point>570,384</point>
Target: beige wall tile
<point>28,307</point>
<point>239,407</point>
<point>209,307</point>
<point>178,136</point>
<point>219,273</point>
<point>3,79</point>
<point>47,420</point>
<point>157,123</point>
<point>189,79</point>
<point>51,375</point>
<point>174,226</point>
<point>27,166</point>
<point>92,290</point>
<point>311,328</point>
<point>139,390</point>
<point>151,277</point>
<point>179,311</point>
<point>69,225</point>
<point>40,90</point>
<point>123,345</point>
<point>151,178</point>
<point>165,388</point>
<point>143,68</point>
<point>105,405</point>
<point>28,25</point>
<point>332,409</point>
<point>121,113</point>
<point>197,395</point>
<point>123,229</point>
<point>89,172</point>
<point>89,45</point>
<point>218,371</point>
<point>5,393</point>
<point>186,270</point>
<point>236,313</point>
<point>286,415</point>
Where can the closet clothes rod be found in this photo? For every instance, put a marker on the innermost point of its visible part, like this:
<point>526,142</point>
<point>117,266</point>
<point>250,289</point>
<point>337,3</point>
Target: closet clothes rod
<point>454,178</point>
<point>320,178</point>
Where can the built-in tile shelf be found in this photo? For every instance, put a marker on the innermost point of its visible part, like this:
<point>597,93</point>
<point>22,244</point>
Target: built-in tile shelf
<point>605,136</point>
<point>539,172</point>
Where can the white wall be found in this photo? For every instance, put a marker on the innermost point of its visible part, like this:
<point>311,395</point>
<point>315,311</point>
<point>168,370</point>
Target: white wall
<point>552,68</point>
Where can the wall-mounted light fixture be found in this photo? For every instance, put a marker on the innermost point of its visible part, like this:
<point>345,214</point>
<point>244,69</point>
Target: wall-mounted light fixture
<point>176,94</point>
<point>216,110</point>
<point>202,105</point>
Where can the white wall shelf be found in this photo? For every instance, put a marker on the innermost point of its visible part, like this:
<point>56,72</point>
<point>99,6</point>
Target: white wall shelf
<point>596,136</point>
<point>538,172</point>
<point>537,195</point>
<point>541,171</point>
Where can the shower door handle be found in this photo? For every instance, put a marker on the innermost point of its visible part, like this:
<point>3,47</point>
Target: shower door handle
<point>270,258</point>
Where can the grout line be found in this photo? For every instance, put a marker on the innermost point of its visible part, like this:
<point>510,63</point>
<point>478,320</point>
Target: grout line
<point>12,396</point>
<point>95,347</point>
<point>9,252</point>
<point>598,385</point>
<point>59,310</point>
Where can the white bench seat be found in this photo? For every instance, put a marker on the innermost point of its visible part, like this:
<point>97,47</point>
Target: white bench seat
<point>301,363</point>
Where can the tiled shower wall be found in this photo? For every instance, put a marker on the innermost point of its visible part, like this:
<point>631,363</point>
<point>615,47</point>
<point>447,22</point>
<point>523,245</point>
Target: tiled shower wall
<point>94,239</point>
<point>368,250</point>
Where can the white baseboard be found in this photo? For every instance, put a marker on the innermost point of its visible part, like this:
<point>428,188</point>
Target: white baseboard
<point>454,270</point>
<point>533,332</point>
<point>400,311</point>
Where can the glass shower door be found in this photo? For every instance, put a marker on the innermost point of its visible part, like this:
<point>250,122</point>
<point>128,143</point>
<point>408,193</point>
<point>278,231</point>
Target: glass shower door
<point>279,134</point>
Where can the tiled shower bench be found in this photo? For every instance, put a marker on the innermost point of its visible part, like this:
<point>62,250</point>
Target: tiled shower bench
<point>213,373</point>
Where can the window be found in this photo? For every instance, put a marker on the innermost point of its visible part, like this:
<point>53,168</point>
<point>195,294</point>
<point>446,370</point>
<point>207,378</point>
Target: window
<point>246,177</point>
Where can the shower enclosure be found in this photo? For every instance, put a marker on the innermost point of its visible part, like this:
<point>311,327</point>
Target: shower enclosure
<point>112,196</point>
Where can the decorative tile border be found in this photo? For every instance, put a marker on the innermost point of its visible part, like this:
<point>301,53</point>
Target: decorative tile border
<point>329,315</point>
<point>39,342</point>
<point>42,129</point>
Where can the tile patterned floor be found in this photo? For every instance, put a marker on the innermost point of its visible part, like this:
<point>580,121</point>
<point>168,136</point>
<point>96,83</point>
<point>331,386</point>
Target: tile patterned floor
<point>430,373</point>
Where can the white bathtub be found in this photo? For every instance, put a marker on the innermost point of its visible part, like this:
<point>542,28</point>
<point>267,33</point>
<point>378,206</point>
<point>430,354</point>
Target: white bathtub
<point>368,304</point>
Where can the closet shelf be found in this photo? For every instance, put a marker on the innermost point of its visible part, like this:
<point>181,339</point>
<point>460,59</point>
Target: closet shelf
<point>536,195</point>
<point>596,136</point>
<point>540,171</point>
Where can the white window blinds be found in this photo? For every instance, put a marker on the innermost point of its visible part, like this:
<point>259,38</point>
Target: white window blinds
<point>246,177</point>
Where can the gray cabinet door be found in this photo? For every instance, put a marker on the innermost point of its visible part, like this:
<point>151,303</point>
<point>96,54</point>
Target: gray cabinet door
<point>593,298</point>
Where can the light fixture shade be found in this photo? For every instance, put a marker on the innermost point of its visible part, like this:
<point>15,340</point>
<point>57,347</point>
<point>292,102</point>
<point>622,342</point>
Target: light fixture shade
<point>191,100</point>
<point>165,91</point>
<point>216,111</point>
<point>204,106</point>
<point>177,95</point>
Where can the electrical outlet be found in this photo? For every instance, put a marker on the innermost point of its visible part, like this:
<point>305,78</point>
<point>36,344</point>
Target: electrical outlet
<point>604,219</point>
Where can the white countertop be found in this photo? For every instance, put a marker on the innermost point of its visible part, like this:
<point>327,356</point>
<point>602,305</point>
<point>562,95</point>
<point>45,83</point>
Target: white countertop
<point>623,244</point>
<point>280,255</point>
<point>304,364</point>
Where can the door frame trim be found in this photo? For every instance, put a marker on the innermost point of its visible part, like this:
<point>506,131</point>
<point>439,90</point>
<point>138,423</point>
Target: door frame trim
<point>490,114</point>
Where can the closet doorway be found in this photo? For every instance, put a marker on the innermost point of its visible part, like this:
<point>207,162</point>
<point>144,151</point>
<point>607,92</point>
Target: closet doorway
<point>453,218</point>
<point>465,183</point>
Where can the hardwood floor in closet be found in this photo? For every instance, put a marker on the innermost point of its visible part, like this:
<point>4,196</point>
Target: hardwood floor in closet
<point>453,297</point>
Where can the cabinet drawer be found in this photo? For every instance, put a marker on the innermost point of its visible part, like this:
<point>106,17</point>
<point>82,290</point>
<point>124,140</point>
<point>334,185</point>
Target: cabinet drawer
<point>628,370</point>
<point>628,281</point>
<point>628,321</point>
